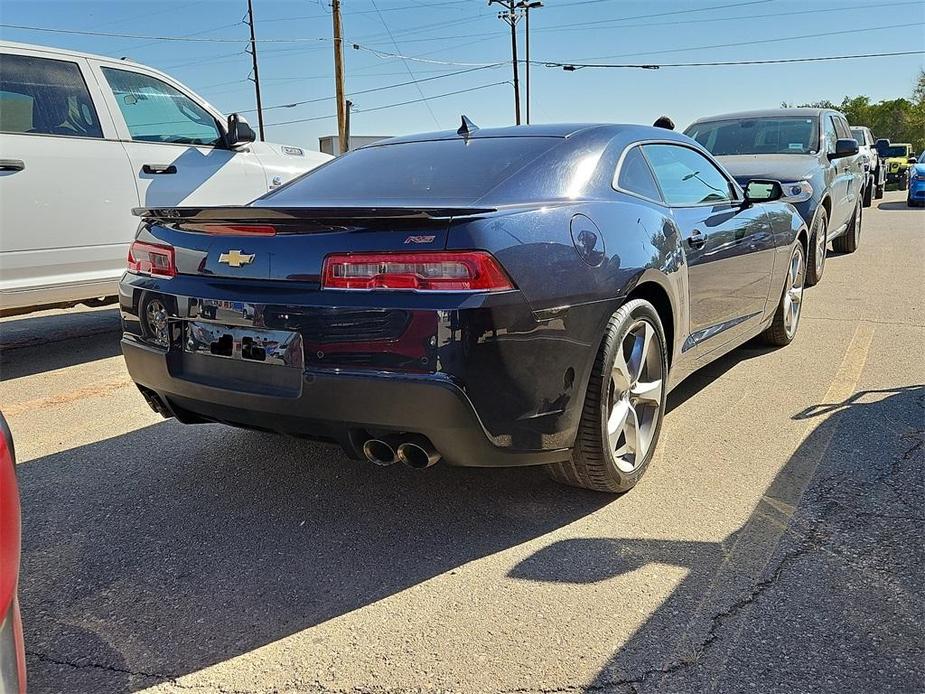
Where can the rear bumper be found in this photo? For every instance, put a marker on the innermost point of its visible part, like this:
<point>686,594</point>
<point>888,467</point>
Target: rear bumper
<point>345,407</point>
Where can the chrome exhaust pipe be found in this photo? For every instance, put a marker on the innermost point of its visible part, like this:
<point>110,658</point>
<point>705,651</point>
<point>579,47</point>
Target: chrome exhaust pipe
<point>418,452</point>
<point>381,451</point>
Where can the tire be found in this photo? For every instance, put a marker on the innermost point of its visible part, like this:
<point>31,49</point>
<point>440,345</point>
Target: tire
<point>903,183</point>
<point>848,242</point>
<point>909,202</point>
<point>787,316</point>
<point>596,462</point>
<point>878,192</point>
<point>869,195</point>
<point>816,253</point>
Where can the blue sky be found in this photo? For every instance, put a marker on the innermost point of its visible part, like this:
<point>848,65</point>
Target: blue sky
<point>468,31</point>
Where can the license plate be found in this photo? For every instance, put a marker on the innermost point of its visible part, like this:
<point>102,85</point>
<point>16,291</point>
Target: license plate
<point>274,347</point>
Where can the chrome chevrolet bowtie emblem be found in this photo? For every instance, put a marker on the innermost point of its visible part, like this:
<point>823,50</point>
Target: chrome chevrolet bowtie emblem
<point>236,258</point>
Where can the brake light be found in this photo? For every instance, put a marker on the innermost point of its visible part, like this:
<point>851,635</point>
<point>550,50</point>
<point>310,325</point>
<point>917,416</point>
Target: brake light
<point>153,259</point>
<point>232,229</point>
<point>464,271</point>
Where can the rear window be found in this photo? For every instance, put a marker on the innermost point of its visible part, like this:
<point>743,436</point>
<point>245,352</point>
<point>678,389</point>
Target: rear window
<point>433,172</point>
<point>784,135</point>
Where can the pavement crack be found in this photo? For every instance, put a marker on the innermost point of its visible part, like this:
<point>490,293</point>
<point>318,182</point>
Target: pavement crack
<point>44,657</point>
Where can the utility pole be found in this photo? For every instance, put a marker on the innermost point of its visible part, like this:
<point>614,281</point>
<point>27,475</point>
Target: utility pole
<point>526,7</point>
<point>510,16</point>
<point>250,23</point>
<point>339,77</point>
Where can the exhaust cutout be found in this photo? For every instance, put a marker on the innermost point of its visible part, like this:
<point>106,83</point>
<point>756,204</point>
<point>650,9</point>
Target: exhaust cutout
<point>418,452</point>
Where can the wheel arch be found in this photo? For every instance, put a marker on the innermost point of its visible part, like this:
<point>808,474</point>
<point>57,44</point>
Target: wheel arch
<point>653,291</point>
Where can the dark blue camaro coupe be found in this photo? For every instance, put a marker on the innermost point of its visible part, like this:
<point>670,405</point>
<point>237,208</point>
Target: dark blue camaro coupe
<point>510,296</point>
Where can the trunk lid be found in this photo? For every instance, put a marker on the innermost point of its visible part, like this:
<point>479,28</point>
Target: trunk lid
<point>219,241</point>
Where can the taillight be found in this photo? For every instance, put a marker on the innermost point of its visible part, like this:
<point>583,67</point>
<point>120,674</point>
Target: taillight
<point>232,229</point>
<point>464,271</point>
<point>153,259</point>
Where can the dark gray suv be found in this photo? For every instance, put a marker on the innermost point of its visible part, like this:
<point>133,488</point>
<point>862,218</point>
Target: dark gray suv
<point>812,153</point>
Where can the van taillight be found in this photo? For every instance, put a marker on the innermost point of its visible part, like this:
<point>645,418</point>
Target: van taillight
<point>444,271</point>
<point>153,259</point>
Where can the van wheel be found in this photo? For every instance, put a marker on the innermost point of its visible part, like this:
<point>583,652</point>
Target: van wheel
<point>815,256</point>
<point>878,192</point>
<point>624,405</point>
<point>848,242</point>
<point>869,196</point>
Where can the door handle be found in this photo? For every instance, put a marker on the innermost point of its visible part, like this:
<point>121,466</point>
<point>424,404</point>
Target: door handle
<point>12,165</point>
<point>159,169</point>
<point>696,239</point>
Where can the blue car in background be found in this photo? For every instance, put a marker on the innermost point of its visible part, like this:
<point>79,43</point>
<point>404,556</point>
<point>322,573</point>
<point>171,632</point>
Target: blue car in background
<point>916,195</point>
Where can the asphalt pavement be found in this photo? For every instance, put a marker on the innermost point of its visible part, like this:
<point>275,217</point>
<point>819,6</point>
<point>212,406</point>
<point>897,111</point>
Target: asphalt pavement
<point>776,544</point>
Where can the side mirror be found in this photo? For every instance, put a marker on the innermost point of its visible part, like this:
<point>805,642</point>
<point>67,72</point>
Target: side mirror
<point>759,190</point>
<point>844,147</point>
<point>239,131</point>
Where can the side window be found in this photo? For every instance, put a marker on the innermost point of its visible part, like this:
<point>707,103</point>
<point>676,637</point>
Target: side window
<point>686,177</point>
<point>842,129</point>
<point>636,176</point>
<point>47,97</point>
<point>828,132</point>
<point>156,112</point>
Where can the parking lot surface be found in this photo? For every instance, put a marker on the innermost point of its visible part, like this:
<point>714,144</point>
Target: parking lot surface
<point>775,545</point>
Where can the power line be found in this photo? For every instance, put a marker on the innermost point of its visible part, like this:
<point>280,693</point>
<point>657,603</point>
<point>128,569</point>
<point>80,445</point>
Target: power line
<point>386,54</point>
<point>578,66</point>
<point>407,67</point>
<point>604,24</point>
<point>373,89</point>
<point>401,103</point>
<point>754,42</point>
<point>155,38</point>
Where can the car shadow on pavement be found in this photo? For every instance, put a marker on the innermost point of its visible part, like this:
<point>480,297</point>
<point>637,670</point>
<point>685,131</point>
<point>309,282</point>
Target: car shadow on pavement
<point>163,551</point>
<point>37,344</point>
<point>820,590</point>
<point>898,205</point>
<point>701,378</point>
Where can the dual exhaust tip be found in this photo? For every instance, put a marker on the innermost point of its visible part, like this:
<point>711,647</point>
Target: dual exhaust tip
<point>415,451</point>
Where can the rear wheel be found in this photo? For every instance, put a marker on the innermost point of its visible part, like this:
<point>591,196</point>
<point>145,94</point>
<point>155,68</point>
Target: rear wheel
<point>848,242</point>
<point>869,195</point>
<point>903,182</point>
<point>787,317</point>
<point>624,405</point>
<point>818,242</point>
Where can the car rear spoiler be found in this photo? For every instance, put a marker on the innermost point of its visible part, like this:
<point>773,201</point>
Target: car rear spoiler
<point>284,215</point>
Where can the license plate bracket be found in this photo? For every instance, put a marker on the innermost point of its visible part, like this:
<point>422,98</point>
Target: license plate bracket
<point>252,345</point>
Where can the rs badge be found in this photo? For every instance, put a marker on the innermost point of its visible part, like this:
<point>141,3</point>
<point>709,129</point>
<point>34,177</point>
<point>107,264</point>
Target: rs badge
<point>236,258</point>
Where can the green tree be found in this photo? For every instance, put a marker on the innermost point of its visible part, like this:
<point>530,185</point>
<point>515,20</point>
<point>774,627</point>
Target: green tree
<point>899,120</point>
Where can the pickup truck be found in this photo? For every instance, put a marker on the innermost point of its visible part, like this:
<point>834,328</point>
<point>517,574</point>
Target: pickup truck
<point>83,140</point>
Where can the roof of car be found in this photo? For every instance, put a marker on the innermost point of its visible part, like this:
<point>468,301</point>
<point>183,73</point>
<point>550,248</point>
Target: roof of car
<point>64,52</point>
<point>769,113</point>
<point>562,130</point>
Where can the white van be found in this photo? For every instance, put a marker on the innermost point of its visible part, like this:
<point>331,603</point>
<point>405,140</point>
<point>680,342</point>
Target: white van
<point>83,140</point>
